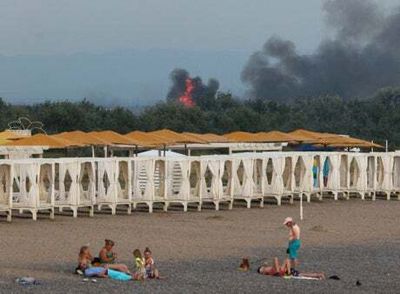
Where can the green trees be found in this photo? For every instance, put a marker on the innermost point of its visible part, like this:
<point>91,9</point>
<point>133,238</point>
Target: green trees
<point>376,118</point>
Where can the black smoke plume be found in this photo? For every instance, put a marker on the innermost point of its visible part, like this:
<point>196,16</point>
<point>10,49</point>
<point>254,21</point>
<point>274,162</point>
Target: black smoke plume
<point>200,92</point>
<point>361,56</point>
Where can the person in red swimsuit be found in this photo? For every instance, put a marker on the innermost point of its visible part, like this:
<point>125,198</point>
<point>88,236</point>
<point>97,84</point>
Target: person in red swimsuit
<point>275,270</point>
<point>278,270</point>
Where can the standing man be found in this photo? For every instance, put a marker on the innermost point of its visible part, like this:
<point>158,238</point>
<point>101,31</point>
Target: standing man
<point>294,242</point>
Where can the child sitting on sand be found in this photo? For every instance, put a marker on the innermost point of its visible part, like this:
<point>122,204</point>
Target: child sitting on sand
<point>85,264</point>
<point>140,270</point>
<point>150,268</point>
<point>245,265</point>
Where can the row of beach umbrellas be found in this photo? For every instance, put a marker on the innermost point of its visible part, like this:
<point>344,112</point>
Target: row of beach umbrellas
<point>165,137</point>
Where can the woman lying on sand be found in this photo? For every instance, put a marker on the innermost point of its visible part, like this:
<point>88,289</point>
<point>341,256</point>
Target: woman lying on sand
<point>278,270</point>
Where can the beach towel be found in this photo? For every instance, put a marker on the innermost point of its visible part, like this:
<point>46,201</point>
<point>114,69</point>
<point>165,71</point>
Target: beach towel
<point>119,276</point>
<point>94,271</point>
<point>27,281</point>
<point>305,278</point>
<point>301,278</point>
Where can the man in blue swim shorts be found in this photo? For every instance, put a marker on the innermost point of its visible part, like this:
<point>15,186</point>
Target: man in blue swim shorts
<point>294,241</point>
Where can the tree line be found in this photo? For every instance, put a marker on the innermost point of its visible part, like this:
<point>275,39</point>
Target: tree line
<point>375,118</point>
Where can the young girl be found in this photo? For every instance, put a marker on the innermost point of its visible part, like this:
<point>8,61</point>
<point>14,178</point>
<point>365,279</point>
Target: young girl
<point>151,270</point>
<point>140,271</point>
<point>85,264</point>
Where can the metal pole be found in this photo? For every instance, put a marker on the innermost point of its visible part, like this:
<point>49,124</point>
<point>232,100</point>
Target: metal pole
<point>386,145</point>
<point>301,206</point>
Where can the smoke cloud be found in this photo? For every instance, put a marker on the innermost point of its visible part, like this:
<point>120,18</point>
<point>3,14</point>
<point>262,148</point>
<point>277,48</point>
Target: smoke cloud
<point>361,56</point>
<point>200,90</point>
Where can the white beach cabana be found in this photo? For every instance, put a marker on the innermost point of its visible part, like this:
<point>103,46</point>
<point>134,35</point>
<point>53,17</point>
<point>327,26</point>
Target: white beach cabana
<point>211,183</point>
<point>33,186</point>
<point>75,185</point>
<point>177,181</point>
<point>113,186</point>
<point>143,179</point>
<point>6,189</point>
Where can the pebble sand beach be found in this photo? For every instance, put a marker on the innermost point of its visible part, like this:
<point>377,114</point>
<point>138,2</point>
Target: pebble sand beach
<point>199,252</point>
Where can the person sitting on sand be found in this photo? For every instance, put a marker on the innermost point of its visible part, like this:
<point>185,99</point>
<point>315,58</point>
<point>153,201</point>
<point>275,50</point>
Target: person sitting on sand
<point>151,270</point>
<point>283,270</point>
<point>108,256</point>
<point>294,241</point>
<point>244,265</point>
<point>85,264</point>
<point>139,262</point>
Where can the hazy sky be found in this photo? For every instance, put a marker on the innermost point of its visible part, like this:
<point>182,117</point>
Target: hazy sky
<point>54,28</point>
<point>68,26</point>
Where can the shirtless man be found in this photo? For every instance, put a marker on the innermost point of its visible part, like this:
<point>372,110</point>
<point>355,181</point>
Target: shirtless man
<point>294,241</point>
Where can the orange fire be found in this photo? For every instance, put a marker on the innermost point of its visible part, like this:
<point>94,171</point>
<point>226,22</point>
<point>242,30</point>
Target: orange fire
<point>187,99</point>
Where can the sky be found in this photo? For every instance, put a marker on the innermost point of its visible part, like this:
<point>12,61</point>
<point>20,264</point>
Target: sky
<point>41,36</point>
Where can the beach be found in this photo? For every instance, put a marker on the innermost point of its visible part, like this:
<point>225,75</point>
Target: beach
<point>199,252</point>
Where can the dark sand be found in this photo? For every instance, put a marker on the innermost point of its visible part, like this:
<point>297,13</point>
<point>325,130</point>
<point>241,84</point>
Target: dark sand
<point>199,252</point>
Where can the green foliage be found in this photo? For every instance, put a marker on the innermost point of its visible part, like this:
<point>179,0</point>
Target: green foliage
<point>376,118</point>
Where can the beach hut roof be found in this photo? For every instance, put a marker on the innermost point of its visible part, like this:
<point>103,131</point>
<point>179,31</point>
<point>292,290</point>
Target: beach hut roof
<point>113,138</point>
<point>207,138</point>
<point>341,141</point>
<point>44,140</point>
<point>243,137</point>
<point>309,136</point>
<point>275,136</point>
<point>81,138</point>
<point>9,135</point>
<point>210,138</point>
<point>172,137</point>
<point>214,138</point>
<point>147,138</point>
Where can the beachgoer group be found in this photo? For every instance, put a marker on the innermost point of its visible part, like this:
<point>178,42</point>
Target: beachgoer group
<point>106,265</point>
<point>288,267</point>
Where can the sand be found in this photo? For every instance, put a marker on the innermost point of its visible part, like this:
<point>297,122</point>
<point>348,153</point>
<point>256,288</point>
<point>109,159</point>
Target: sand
<point>199,252</point>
